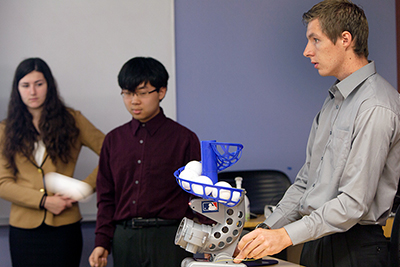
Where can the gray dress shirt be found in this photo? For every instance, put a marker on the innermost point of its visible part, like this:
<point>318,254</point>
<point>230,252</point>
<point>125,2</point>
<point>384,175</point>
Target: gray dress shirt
<point>352,165</point>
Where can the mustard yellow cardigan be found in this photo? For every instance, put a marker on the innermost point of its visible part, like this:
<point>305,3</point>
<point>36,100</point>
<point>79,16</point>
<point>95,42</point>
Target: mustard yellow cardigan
<point>25,189</point>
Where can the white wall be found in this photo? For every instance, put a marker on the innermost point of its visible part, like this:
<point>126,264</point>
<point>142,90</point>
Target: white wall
<point>85,44</point>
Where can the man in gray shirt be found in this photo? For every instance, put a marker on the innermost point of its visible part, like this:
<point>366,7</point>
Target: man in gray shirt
<point>344,192</point>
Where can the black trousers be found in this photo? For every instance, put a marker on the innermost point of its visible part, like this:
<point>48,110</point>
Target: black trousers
<point>147,247</point>
<point>46,246</point>
<point>362,245</point>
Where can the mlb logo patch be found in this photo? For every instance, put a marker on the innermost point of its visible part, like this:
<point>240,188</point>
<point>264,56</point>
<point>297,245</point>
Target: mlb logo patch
<point>209,206</point>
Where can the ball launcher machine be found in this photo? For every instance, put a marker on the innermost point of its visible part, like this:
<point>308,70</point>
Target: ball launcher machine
<point>222,204</point>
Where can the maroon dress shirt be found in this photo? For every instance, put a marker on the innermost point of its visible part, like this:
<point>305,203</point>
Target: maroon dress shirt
<point>136,174</point>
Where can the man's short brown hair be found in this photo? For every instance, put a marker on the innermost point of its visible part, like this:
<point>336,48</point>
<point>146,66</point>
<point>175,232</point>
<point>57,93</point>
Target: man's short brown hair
<point>337,16</point>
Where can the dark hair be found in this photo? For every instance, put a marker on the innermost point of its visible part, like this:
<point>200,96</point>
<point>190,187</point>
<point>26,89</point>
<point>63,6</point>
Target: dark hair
<point>337,16</point>
<point>142,69</point>
<point>57,125</point>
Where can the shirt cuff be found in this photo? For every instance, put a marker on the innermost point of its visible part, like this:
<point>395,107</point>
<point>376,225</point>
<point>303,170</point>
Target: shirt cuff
<point>298,232</point>
<point>102,240</point>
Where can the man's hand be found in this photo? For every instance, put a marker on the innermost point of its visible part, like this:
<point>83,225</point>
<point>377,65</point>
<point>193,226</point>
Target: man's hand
<point>262,242</point>
<point>98,258</point>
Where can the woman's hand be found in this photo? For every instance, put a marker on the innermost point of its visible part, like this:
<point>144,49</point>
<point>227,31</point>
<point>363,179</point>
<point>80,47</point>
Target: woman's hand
<point>57,203</point>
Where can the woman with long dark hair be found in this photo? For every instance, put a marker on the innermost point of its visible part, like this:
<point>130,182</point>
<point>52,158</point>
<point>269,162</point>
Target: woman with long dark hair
<point>42,135</point>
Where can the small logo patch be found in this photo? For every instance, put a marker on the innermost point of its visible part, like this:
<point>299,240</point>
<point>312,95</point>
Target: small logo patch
<point>209,206</point>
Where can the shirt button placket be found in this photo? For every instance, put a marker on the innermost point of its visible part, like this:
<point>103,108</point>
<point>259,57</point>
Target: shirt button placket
<point>139,162</point>
<point>140,142</point>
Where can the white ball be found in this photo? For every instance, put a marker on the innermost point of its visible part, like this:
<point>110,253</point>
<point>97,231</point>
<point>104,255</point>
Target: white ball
<point>235,196</point>
<point>198,189</point>
<point>194,166</point>
<point>223,194</point>
<point>189,175</point>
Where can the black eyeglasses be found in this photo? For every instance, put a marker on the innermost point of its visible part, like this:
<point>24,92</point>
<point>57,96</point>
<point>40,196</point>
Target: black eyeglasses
<point>142,94</point>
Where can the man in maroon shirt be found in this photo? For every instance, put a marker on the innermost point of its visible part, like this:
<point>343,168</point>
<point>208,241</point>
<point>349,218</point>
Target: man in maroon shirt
<point>140,204</point>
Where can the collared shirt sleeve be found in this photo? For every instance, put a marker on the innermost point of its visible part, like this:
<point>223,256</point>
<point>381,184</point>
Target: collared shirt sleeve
<point>287,210</point>
<point>104,226</point>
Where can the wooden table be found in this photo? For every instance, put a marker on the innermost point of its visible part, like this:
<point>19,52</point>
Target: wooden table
<point>252,223</point>
<point>387,229</point>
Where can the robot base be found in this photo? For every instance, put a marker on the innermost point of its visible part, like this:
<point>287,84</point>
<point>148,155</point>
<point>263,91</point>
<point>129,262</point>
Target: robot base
<point>190,262</point>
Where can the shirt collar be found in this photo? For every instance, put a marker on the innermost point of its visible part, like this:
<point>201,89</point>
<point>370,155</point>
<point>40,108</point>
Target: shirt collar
<point>350,83</point>
<point>152,125</point>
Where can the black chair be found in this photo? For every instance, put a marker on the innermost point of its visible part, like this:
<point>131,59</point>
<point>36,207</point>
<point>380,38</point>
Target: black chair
<point>394,241</point>
<point>263,187</point>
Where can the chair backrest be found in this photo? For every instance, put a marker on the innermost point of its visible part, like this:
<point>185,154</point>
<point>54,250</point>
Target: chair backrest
<point>263,187</point>
<point>394,240</point>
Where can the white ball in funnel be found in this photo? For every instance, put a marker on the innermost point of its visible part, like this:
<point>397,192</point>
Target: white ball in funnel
<point>189,175</point>
<point>223,194</point>
<point>194,166</point>
<point>198,189</point>
<point>235,196</point>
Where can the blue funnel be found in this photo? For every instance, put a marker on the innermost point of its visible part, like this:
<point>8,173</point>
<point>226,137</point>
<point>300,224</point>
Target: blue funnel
<point>215,157</point>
